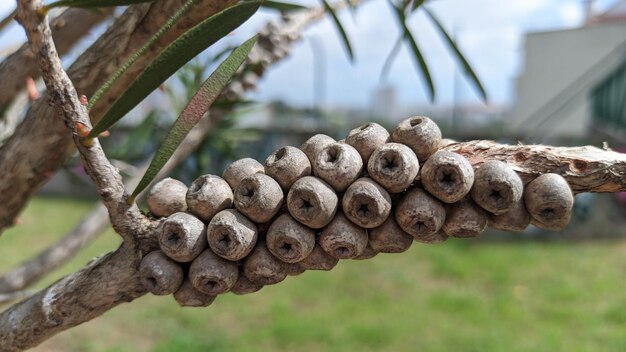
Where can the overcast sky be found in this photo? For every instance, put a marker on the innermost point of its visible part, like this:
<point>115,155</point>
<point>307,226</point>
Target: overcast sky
<point>489,32</point>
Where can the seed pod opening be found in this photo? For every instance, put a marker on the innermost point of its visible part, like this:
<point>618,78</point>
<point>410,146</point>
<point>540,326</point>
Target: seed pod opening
<point>182,237</point>
<point>419,133</point>
<point>262,268</point>
<point>208,195</point>
<point>240,169</point>
<point>159,274</point>
<point>342,239</point>
<point>497,188</point>
<point>549,200</point>
<point>420,214</point>
<point>389,238</point>
<point>464,219</point>
<point>188,296</point>
<point>367,138</point>
<point>286,165</point>
<point>243,286</point>
<point>211,274</point>
<point>338,164</point>
<point>366,203</point>
<point>258,197</point>
<point>288,240</point>
<point>314,145</point>
<point>318,260</point>
<point>394,166</point>
<point>447,176</point>
<point>231,235</point>
<point>167,197</point>
<point>438,237</point>
<point>312,202</point>
<point>514,220</point>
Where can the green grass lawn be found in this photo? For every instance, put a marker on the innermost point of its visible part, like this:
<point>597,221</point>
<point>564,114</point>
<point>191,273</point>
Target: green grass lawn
<point>458,296</point>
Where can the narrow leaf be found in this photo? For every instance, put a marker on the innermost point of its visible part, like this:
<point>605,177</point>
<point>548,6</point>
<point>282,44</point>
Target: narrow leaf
<point>416,4</point>
<point>195,109</point>
<point>467,68</point>
<point>283,6</point>
<point>417,54</point>
<point>342,32</point>
<point>384,72</point>
<point>93,3</point>
<point>178,53</point>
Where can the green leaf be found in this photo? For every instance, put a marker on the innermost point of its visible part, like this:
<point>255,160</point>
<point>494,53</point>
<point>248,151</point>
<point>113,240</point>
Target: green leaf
<point>467,69</point>
<point>93,3</point>
<point>416,4</point>
<point>384,72</point>
<point>417,54</point>
<point>283,6</point>
<point>178,53</point>
<point>342,32</point>
<point>195,109</point>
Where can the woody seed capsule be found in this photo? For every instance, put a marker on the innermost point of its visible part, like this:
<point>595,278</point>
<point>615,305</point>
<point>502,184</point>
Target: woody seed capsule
<point>258,197</point>
<point>312,202</point>
<point>343,239</point>
<point>420,214</point>
<point>368,253</point>
<point>394,166</point>
<point>240,169</point>
<point>338,164</point>
<point>367,138</point>
<point>389,238</point>
<point>438,237</point>
<point>211,274</point>
<point>188,296</point>
<point>497,188</point>
<point>318,260</point>
<point>208,195</point>
<point>314,145</point>
<point>447,176</point>
<point>262,268</point>
<point>549,200</point>
<point>243,286</point>
<point>182,237</point>
<point>366,204</point>
<point>231,235</point>
<point>287,165</point>
<point>514,220</point>
<point>288,240</point>
<point>167,197</point>
<point>464,219</point>
<point>419,133</point>
<point>159,274</point>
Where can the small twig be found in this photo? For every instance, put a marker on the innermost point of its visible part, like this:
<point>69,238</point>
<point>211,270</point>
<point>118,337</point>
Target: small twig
<point>14,296</point>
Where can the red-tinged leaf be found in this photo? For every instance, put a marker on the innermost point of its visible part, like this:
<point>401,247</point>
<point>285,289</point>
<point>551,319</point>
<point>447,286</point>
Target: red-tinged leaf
<point>94,3</point>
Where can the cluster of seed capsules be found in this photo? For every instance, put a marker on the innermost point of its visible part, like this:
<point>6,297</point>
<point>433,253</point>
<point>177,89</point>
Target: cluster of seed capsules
<point>306,208</point>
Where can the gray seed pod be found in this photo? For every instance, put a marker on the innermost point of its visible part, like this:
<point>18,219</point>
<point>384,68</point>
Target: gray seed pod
<point>231,235</point>
<point>159,274</point>
<point>515,220</point>
<point>211,274</point>
<point>394,166</point>
<point>258,197</point>
<point>240,169</point>
<point>167,197</point>
<point>438,237</point>
<point>262,268</point>
<point>188,296</point>
<point>314,146</point>
<point>447,176</point>
<point>549,200</point>
<point>366,203</point>
<point>243,286</point>
<point>367,138</point>
<point>288,240</point>
<point>342,239</point>
<point>318,260</point>
<point>286,165</point>
<point>338,164</point>
<point>182,237</point>
<point>208,195</point>
<point>368,253</point>
<point>464,219</point>
<point>389,238</point>
<point>420,214</point>
<point>497,188</point>
<point>419,133</point>
<point>312,202</point>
